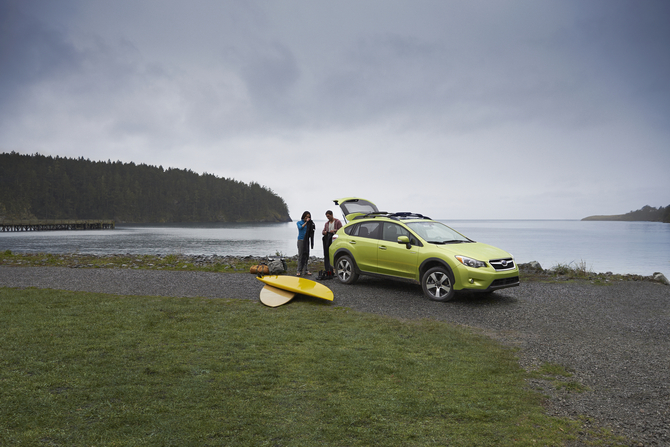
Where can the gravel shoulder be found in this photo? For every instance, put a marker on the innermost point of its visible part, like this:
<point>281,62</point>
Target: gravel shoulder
<point>614,338</point>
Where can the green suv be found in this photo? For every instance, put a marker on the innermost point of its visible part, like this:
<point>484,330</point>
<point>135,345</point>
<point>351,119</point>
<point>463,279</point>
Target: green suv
<point>416,248</point>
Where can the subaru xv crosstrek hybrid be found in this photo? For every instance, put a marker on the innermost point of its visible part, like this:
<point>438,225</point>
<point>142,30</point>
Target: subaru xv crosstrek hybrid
<point>416,248</point>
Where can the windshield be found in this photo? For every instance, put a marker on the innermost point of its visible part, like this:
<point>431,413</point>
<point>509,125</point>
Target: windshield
<point>436,233</point>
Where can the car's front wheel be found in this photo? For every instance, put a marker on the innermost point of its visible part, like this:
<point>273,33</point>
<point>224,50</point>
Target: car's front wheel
<point>438,284</point>
<point>346,270</point>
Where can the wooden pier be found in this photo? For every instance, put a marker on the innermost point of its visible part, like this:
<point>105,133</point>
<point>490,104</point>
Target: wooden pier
<point>55,225</point>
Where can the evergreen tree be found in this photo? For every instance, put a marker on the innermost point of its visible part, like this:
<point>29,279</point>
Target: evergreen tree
<point>41,187</point>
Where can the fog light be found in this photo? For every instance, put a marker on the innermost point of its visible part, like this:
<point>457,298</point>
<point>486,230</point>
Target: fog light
<point>472,281</point>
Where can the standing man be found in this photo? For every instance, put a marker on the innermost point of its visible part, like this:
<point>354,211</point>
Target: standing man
<point>329,230</point>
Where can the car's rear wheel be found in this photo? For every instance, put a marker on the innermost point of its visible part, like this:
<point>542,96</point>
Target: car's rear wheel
<point>346,270</point>
<point>438,284</point>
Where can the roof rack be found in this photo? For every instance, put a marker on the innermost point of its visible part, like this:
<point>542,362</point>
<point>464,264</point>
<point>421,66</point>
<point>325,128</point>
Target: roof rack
<point>375,214</point>
<point>394,216</point>
<point>408,215</point>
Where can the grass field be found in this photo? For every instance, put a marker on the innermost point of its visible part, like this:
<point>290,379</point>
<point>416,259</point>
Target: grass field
<point>82,369</point>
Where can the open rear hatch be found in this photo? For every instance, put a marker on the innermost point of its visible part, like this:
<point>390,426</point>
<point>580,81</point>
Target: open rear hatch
<point>354,206</point>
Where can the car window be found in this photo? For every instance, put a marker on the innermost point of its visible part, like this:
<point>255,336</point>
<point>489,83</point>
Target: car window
<point>358,206</point>
<point>370,230</point>
<point>392,231</point>
<point>437,233</point>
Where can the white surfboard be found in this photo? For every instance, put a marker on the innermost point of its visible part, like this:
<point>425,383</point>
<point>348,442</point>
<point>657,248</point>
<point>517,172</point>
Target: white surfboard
<point>274,297</point>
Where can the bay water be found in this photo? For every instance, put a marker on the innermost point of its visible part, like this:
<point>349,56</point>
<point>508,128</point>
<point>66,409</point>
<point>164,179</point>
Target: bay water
<point>619,247</point>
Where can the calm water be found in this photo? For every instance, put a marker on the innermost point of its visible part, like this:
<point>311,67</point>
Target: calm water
<point>620,247</point>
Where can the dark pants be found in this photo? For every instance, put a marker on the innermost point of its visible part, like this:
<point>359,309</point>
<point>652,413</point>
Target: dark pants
<point>303,255</point>
<point>327,242</point>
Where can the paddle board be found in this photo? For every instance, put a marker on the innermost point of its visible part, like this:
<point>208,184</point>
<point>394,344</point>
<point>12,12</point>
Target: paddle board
<point>298,285</point>
<point>274,297</point>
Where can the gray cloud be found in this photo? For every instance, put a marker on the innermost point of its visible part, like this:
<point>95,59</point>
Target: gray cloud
<point>30,51</point>
<point>565,103</point>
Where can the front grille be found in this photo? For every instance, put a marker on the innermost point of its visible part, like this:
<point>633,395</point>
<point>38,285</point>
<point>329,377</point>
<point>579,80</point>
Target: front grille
<point>502,264</point>
<point>505,282</point>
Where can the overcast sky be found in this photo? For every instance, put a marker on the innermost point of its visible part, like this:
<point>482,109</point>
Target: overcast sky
<point>533,109</point>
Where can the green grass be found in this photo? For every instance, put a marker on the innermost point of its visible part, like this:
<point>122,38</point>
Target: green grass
<point>554,369</point>
<point>574,269</point>
<point>147,262</point>
<point>555,374</point>
<point>83,369</point>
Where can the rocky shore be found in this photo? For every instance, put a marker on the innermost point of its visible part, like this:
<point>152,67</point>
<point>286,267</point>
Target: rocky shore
<point>535,270</point>
<point>531,270</point>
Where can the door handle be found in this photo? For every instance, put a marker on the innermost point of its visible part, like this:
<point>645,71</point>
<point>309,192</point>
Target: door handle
<point>382,247</point>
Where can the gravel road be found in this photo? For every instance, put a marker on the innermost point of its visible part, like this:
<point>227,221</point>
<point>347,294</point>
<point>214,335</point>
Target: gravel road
<point>614,338</point>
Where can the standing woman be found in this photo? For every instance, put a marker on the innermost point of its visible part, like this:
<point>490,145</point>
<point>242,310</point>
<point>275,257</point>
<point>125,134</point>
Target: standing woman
<point>305,234</point>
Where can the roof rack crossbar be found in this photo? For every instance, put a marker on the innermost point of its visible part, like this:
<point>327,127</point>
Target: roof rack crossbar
<point>394,216</point>
<point>410,215</point>
<point>375,214</point>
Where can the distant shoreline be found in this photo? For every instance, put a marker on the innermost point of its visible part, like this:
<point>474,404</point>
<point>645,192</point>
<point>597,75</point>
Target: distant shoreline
<point>617,218</point>
<point>644,214</point>
<point>613,218</point>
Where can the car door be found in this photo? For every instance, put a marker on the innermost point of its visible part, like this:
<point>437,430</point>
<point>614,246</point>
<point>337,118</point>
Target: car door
<point>363,244</point>
<point>394,258</point>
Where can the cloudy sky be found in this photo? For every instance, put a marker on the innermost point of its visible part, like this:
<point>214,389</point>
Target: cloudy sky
<point>491,109</point>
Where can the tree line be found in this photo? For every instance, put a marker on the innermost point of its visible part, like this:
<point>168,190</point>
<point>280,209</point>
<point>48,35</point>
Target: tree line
<point>45,187</point>
<point>645,214</point>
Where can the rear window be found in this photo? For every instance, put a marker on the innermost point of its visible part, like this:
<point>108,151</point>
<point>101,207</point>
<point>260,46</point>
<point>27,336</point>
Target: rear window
<point>370,230</point>
<point>358,206</point>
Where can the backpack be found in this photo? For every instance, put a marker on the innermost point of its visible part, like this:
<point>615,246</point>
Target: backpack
<point>277,266</point>
<point>260,269</point>
<point>324,274</point>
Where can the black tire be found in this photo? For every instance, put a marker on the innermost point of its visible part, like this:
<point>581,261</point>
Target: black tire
<point>346,270</point>
<point>438,284</point>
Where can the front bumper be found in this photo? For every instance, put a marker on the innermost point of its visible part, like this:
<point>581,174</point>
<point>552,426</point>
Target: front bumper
<point>486,280</point>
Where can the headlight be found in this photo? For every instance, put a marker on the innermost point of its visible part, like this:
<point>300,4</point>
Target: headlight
<point>469,262</point>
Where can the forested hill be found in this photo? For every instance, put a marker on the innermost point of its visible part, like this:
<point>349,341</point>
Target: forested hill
<point>37,186</point>
<point>645,214</point>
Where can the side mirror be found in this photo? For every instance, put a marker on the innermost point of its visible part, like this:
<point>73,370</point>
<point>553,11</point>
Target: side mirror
<point>404,240</point>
